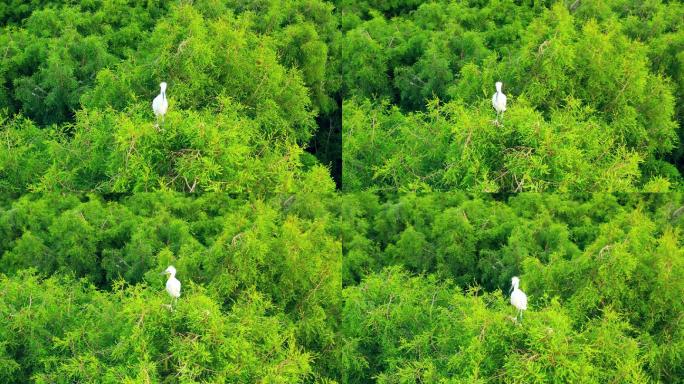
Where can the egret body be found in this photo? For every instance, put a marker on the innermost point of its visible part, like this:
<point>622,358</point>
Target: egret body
<point>173,286</point>
<point>160,104</point>
<point>518,297</point>
<point>499,101</point>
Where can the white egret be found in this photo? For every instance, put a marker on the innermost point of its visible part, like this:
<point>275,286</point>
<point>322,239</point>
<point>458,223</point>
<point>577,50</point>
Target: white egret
<point>518,297</point>
<point>499,101</point>
<point>160,104</point>
<point>173,286</point>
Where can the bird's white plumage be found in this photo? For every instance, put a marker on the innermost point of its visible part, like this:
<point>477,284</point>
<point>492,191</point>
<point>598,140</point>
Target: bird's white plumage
<point>160,105</point>
<point>173,286</point>
<point>499,99</point>
<point>518,297</point>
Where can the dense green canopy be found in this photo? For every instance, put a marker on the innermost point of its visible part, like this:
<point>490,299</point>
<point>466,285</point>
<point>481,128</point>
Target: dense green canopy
<point>402,279</point>
<point>427,280</point>
<point>83,300</point>
<point>594,95</point>
<point>246,89</point>
<point>234,189</point>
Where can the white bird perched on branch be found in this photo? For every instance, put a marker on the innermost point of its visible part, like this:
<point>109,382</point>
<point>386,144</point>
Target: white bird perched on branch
<point>499,101</point>
<point>160,104</point>
<point>518,297</point>
<point>173,286</point>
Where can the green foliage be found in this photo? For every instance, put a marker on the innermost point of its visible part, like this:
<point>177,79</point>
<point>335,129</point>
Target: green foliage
<point>427,277</point>
<point>452,146</point>
<point>201,58</point>
<point>285,281</point>
<point>110,151</point>
<point>308,38</point>
<point>247,87</point>
<point>261,285</point>
<point>594,102</point>
<point>54,57</point>
<point>63,330</point>
<point>91,191</point>
<point>401,329</point>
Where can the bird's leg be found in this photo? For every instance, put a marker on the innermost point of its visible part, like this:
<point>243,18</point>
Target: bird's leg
<point>172,304</point>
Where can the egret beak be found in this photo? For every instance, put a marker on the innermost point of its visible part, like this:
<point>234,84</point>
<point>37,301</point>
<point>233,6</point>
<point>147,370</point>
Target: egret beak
<point>510,290</point>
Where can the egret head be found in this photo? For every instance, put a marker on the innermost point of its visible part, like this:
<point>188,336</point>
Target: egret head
<point>515,282</point>
<point>163,86</point>
<point>170,270</point>
<point>498,86</point>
